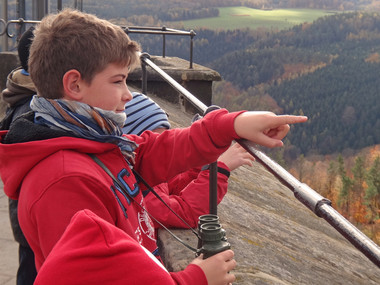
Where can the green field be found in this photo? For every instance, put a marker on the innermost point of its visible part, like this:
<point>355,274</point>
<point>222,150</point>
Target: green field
<point>231,18</point>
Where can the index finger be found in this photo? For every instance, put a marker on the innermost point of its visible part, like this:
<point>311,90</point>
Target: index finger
<point>291,119</point>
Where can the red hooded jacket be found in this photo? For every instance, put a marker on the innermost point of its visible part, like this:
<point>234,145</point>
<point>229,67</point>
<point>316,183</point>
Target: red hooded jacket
<point>54,178</point>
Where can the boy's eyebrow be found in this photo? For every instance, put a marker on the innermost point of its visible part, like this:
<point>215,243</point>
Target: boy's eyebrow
<point>121,74</point>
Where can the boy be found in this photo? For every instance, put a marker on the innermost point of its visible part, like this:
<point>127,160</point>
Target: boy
<point>187,193</point>
<point>79,65</point>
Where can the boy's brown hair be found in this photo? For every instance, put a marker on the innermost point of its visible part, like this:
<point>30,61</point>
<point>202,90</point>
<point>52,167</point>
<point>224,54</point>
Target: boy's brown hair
<point>76,40</point>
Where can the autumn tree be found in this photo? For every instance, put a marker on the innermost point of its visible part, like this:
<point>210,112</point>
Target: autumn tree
<point>358,184</point>
<point>372,194</point>
<point>359,173</point>
<point>300,167</point>
<point>345,190</point>
<point>332,173</point>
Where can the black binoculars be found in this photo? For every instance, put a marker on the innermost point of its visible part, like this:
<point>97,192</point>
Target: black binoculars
<point>212,238</point>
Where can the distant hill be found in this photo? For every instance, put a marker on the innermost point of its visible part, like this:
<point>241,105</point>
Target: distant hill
<point>179,10</point>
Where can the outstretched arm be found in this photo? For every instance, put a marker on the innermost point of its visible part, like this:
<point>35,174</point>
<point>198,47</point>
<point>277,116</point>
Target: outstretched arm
<point>205,141</point>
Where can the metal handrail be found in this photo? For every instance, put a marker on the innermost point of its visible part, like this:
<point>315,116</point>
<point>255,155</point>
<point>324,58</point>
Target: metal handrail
<point>19,22</point>
<point>128,30</point>
<point>311,199</point>
<point>164,31</point>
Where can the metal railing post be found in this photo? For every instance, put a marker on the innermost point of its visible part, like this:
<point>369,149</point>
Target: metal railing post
<point>39,9</point>
<point>192,35</point>
<point>3,25</point>
<point>144,76</point>
<point>59,5</point>
<point>21,15</point>
<point>213,188</point>
<point>163,42</point>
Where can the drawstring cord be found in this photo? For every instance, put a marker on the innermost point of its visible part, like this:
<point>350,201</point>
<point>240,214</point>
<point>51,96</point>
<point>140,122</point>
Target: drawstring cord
<point>121,186</point>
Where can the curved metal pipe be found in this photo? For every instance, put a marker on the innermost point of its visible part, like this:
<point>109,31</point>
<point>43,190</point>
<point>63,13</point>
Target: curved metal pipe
<point>5,26</point>
<point>19,22</point>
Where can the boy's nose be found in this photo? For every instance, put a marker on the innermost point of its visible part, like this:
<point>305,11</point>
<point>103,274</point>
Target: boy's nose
<point>128,95</point>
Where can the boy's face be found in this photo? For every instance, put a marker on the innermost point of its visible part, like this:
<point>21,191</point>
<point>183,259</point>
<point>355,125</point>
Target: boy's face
<point>108,89</point>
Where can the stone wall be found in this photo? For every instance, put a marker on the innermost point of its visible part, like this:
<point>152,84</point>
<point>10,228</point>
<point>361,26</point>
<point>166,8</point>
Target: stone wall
<point>197,80</point>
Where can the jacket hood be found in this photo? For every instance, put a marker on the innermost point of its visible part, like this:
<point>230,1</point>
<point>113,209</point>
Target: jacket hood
<point>26,144</point>
<point>110,256</point>
<point>19,88</point>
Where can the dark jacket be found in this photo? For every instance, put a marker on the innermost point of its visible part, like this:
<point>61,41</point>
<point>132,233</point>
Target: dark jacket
<point>18,93</point>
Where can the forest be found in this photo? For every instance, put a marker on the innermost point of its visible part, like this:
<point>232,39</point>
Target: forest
<point>350,181</point>
<point>326,70</point>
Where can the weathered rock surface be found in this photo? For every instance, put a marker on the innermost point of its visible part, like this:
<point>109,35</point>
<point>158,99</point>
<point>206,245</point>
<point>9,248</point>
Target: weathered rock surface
<point>276,239</point>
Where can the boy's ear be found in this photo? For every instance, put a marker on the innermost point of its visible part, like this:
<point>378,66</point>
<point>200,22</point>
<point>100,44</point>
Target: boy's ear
<point>71,84</point>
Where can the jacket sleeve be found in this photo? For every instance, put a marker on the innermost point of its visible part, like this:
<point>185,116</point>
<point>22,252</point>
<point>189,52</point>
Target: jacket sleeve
<point>190,202</point>
<point>178,150</point>
<point>93,251</point>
